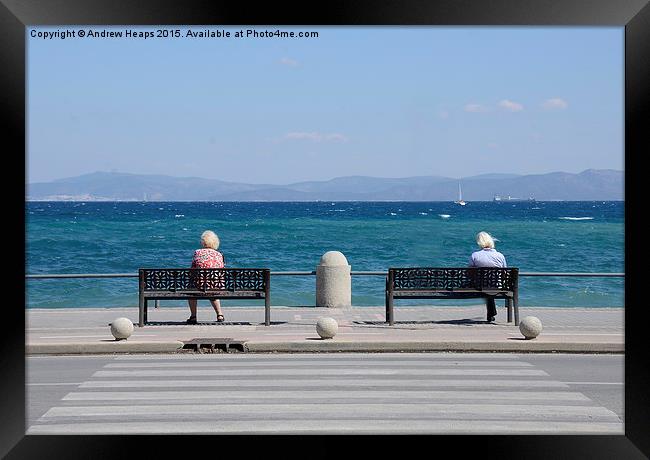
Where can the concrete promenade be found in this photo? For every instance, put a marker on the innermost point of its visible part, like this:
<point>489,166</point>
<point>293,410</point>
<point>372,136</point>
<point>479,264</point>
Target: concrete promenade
<point>293,329</point>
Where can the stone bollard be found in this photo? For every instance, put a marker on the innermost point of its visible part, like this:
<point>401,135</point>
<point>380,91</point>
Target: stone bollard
<point>121,328</point>
<point>326,327</point>
<point>333,281</point>
<point>530,327</point>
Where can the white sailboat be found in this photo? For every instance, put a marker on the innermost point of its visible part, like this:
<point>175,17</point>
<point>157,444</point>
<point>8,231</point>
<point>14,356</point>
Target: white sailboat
<point>460,197</point>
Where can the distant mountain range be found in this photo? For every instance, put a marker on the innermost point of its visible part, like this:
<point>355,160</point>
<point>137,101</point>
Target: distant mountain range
<point>592,184</point>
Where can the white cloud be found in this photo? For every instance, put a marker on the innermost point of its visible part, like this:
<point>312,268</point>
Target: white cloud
<point>475,108</point>
<point>288,61</point>
<point>316,136</point>
<point>335,137</point>
<point>511,106</point>
<point>311,136</point>
<point>555,103</point>
<point>443,114</point>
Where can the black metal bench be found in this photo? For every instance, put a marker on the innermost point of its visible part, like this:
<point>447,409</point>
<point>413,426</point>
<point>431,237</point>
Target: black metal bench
<point>204,283</point>
<point>453,283</point>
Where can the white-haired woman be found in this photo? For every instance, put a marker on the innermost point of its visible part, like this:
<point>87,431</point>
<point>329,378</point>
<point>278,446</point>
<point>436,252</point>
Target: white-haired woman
<point>487,256</point>
<point>207,257</point>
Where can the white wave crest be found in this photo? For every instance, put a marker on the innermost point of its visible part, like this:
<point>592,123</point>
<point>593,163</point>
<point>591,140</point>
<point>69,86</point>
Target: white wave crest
<point>576,218</point>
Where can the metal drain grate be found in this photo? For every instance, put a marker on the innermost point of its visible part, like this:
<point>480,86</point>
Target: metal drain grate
<point>214,345</point>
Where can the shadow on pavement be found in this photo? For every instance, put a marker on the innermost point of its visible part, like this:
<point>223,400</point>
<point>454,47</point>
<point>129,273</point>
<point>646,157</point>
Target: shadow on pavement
<point>460,322</point>
<point>201,323</point>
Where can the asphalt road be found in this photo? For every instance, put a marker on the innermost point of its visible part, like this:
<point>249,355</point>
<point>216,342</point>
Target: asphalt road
<point>326,393</point>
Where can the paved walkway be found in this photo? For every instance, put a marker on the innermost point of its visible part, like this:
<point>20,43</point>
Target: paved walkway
<point>417,328</point>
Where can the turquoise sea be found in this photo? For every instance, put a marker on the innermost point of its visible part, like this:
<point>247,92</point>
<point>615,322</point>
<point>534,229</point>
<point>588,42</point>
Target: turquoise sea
<point>120,237</point>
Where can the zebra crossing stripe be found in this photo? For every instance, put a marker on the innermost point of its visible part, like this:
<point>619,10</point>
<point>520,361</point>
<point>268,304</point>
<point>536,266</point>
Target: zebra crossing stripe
<point>310,357</point>
<point>333,426</point>
<point>229,395</point>
<point>313,372</point>
<point>492,364</point>
<point>334,410</point>
<point>338,382</point>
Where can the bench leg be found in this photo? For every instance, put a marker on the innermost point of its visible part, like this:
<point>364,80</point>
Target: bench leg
<point>267,297</point>
<point>386,304</point>
<point>509,305</point>
<point>515,301</point>
<point>141,311</point>
<point>390,317</point>
<point>267,309</point>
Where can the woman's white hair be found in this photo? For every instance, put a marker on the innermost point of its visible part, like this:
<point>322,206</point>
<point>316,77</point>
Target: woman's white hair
<point>485,240</point>
<point>209,239</point>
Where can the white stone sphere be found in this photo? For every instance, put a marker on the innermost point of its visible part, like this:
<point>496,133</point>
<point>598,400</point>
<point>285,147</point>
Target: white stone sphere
<point>333,258</point>
<point>327,327</point>
<point>530,327</point>
<point>121,328</point>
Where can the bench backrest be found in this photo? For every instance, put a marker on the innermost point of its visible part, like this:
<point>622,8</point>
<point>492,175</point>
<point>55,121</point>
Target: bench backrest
<point>204,279</point>
<point>441,279</point>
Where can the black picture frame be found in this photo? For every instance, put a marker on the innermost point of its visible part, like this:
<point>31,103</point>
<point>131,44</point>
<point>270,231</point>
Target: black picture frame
<point>634,15</point>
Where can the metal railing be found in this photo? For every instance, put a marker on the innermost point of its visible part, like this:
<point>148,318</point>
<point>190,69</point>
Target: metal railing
<point>313,272</point>
<point>303,273</point>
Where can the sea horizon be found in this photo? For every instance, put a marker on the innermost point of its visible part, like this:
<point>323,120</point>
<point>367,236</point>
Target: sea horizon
<point>314,201</point>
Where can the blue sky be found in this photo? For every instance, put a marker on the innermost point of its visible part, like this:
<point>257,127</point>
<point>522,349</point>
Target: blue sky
<point>384,102</point>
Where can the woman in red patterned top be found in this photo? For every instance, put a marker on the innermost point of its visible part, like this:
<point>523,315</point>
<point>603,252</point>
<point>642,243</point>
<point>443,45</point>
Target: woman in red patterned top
<point>207,257</point>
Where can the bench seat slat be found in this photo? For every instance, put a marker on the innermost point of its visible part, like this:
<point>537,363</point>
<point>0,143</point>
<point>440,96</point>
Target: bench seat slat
<point>202,294</point>
<point>451,294</point>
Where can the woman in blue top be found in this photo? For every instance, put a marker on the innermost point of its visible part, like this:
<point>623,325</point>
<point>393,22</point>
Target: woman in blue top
<point>487,256</point>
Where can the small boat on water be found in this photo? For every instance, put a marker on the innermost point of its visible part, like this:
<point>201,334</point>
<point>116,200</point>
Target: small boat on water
<point>498,198</point>
<point>460,197</point>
